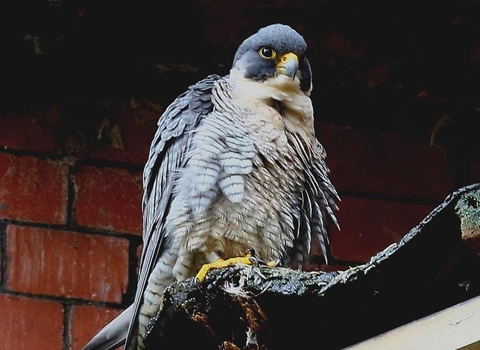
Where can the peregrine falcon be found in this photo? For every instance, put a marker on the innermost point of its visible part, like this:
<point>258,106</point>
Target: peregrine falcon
<point>234,165</point>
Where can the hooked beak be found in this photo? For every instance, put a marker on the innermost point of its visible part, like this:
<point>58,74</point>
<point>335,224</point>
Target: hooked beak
<point>288,65</point>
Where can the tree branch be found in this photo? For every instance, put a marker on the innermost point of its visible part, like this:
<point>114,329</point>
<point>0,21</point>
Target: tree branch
<point>278,308</point>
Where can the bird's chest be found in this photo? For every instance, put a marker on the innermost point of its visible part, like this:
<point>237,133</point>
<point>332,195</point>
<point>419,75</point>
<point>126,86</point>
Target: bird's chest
<point>262,218</point>
<point>257,221</point>
<point>266,128</point>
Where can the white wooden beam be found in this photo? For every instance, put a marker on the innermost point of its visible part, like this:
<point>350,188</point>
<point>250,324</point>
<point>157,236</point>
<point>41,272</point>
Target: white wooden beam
<point>457,327</point>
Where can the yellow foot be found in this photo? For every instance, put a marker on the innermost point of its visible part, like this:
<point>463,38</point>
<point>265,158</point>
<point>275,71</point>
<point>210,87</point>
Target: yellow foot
<point>272,263</point>
<point>219,263</point>
<point>248,259</point>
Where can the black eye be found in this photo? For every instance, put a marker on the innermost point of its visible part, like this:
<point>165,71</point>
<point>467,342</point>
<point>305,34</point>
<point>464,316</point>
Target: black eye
<point>267,53</point>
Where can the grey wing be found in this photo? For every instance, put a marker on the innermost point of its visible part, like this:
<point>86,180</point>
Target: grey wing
<point>222,153</point>
<point>167,155</point>
<point>318,202</point>
<point>113,334</point>
<point>326,198</point>
<point>167,151</point>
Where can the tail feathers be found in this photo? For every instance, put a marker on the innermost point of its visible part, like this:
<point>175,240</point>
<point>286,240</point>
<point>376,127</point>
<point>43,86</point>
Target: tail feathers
<point>113,334</point>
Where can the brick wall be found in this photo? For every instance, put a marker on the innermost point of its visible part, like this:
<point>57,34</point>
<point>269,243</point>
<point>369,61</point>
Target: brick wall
<point>70,219</point>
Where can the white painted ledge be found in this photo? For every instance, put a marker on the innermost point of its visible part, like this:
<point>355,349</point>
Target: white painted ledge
<point>457,327</point>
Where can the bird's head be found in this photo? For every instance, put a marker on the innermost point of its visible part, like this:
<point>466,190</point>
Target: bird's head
<point>274,51</point>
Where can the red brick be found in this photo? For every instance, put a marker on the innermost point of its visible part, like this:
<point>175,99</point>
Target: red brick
<point>368,226</point>
<point>32,130</point>
<point>30,323</point>
<point>33,189</point>
<point>66,264</point>
<point>129,139</point>
<point>126,137</point>
<point>388,164</point>
<point>109,198</point>
<point>87,321</point>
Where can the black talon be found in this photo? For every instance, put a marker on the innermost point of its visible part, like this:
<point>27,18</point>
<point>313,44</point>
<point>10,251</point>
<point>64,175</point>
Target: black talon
<point>251,252</point>
<point>255,261</point>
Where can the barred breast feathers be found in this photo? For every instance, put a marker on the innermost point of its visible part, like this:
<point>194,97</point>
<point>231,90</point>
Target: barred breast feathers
<point>283,118</point>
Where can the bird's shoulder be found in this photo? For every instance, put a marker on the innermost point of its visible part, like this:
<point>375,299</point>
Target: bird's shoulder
<point>195,101</point>
<point>180,117</point>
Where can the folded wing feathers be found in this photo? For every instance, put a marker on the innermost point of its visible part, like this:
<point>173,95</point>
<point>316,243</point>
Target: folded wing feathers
<point>318,198</point>
<point>168,152</point>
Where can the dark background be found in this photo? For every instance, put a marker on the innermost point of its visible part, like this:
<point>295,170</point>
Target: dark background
<point>377,65</point>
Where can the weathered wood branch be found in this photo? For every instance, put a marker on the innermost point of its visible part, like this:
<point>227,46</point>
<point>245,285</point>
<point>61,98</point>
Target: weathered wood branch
<point>277,308</point>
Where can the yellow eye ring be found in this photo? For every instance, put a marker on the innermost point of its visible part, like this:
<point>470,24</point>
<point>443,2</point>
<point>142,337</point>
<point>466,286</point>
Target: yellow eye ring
<point>267,53</point>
